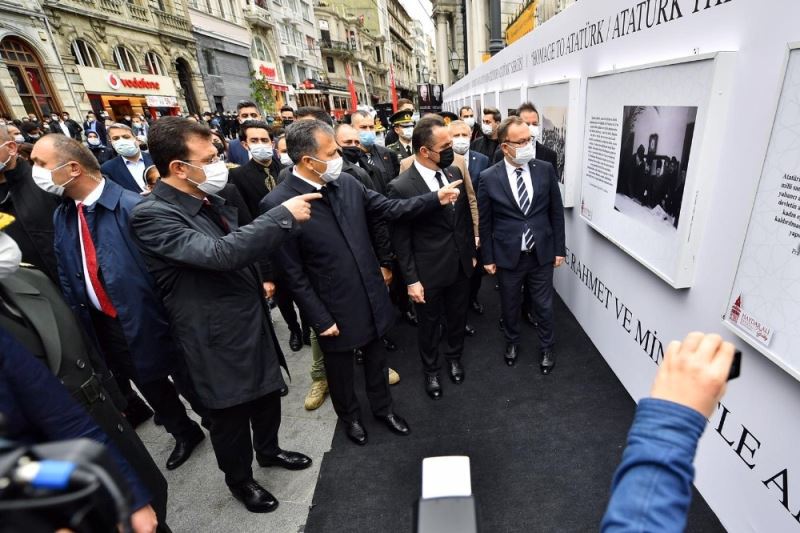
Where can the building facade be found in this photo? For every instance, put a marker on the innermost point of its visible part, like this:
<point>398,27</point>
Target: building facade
<point>268,84</point>
<point>223,51</point>
<point>298,46</point>
<point>128,57</point>
<point>401,30</point>
<point>32,79</point>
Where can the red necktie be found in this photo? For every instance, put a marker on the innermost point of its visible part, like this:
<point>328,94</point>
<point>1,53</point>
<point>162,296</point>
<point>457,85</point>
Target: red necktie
<point>91,265</point>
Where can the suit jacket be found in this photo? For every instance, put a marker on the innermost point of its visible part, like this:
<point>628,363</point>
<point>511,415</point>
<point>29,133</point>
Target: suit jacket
<point>129,285</point>
<point>485,146</point>
<point>116,170</point>
<point>331,267</point>
<point>386,163</point>
<point>503,222</point>
<point>432,248</point>
<point>461,164</point>
<point>543,153</point>
<point>99,127</point>
<point>477,164</point>
<point>237,153</point>
<point>210,285</point>
<point>33,208</point>
<point>251,180</point>
<point>59,342</point>
<point>102,153</point>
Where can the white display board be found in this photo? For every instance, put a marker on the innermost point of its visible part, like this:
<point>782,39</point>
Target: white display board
<point>561,129</point>
<point>764,304</point>
<point>490,100</point>
<point>648,152</point>
<point>509,101</point>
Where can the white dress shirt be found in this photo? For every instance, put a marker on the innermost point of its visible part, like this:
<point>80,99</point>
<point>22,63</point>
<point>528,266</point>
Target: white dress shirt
<point>87,202</point>
<point>136,168</point>
<point>430,176</point>
<point>64,128</point>
<point>511,172</point>
<point>316,186</point>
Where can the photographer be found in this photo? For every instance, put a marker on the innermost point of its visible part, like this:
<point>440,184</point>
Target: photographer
<point>652,487</point>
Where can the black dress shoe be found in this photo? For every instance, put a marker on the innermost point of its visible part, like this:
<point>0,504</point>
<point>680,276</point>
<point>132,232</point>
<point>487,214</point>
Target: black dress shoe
<point>396,424</point>
<point>284,459</point>
<point>356,432</point>
<point>359,353</point>
<point>531,320</point>
<point>137,412</point>
<point>511,354</point>
<point>548,362</point>
<point>477,306</point>
<point>432,386</point>
<point>295,341</point>
<point>469,330</point>
<point>410,317</point>
<point>254,497</point>
<point>284,391</point>
<point>388,343</point>
<point>183,449</point>
<point>456,371</point>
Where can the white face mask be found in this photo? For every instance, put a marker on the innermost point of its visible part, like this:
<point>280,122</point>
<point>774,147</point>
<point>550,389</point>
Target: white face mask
<point>286,160</point>
<point>19,139</point>
<point>534,132</point>
<point>93,141</point>
<point>524,154</point>
<point>10,256</point>
<point>470,121</point>
<point>216,177</point>
<point>407,132</point>
<point>4,163</point>
<point>261,152</point>
<point>126,147</point>
<point>44,179</point>
<point>460,145</point>
<point>332,170</point>
<point>487,129</point>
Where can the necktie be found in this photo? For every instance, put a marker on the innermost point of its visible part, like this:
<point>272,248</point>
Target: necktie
<point>91,265</point>
<point>408,150</point>
<point>218,219</point>
<point>440,178</point>
<point>524,205</point>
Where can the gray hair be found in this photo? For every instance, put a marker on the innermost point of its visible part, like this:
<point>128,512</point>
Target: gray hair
<point>119,126</point>
<point>301,138</point>
<point>361,113</point>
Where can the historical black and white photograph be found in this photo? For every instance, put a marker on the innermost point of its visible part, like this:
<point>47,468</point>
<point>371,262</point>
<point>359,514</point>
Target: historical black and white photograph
<point>654,159</point>
<point>554,134</point>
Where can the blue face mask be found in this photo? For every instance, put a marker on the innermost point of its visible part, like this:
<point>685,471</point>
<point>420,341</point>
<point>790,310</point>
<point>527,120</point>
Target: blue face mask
<point>366,138</point>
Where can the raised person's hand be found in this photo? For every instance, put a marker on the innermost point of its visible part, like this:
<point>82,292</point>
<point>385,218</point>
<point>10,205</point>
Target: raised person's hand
<point>449,193</point>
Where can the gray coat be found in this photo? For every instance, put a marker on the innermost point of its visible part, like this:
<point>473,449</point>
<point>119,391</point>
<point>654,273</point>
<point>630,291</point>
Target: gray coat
<point>211,288</point>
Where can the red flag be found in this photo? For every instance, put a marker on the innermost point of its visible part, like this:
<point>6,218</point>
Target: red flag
<point>393,87</point>
<point>352,88</point>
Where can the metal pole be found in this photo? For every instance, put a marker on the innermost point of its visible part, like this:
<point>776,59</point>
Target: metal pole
<point>496,37</point>
<point>464,33</point>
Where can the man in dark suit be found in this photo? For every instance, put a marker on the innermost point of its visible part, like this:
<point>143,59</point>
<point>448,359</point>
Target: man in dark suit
<point>105,281</point>
<point>436,252</point>
<point>403,104</point>
<point>32,207</point>
<point>487,143</point>
<point>98,126</point>
<point>530,115</point>
<point>128,168</point>
<point>384,160</point>
<point>257,177</point>
<point>522,235</point>
<point>477,163</point>
<point>245,110</point>
<point>334,273</point>
<point>205,270</point>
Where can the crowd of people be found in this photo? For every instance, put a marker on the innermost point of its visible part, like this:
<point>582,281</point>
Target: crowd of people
<point>160,248</point>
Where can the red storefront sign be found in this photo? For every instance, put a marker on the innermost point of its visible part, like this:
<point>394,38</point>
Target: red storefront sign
<point>268,72</point>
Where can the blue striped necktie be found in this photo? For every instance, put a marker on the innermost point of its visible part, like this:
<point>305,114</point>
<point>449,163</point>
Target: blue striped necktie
<point>524,205</point>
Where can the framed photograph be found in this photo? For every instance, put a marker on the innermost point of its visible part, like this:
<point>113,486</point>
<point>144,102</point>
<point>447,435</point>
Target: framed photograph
<point>649,149</point>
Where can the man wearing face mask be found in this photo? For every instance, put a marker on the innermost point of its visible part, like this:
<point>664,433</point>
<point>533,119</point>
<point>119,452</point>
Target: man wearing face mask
<point>32,207</point>
<point>403,126</point>
<point>467,115</point>
<point>436,253</point>
<point>522,235</point>
<point>334,273</point>
<point>487,143</point>
<point>206,273</point>
<point>105,281</point>
<point>127,169</point>
<point>31,131</point>
<point>403,104</point>
<point>530,116</point>
<point>258,176</point>
<point>98,126</point>
<point>383,159</point>
<point>245,110</point>
<point>287,115</point>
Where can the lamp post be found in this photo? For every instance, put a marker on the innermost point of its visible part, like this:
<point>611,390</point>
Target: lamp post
<point>455,63</point>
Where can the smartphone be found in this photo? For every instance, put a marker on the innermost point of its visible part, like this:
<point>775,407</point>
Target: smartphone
<point>736,367</point>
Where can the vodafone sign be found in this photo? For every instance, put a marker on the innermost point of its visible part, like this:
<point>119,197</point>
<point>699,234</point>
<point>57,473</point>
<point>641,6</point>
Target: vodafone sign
<point>97,80</point>
<point>113,81</point>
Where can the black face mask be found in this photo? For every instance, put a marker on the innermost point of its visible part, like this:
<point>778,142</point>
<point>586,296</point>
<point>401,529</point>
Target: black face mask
<point>446,158</point>
<point>287,121</point>
<point>351,154</point>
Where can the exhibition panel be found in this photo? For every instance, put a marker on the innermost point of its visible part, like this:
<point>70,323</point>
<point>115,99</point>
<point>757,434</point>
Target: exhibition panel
<point>729,239</point>
<point>509,100</point>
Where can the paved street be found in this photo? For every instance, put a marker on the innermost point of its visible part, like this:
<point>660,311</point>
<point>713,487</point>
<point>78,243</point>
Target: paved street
<point>198,498</point>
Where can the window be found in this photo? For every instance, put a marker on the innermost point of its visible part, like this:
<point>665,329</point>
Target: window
<point>284,34</point>
<point>125,59</point>
<point>260,50</point>
<point>306,10</point>
<point>331,65</point>
<point>211,64</point>
<point>378,54</point>
<point>288,71</point>
<point>85,55</point>
<point>154,64</point>
<point>28,76</point>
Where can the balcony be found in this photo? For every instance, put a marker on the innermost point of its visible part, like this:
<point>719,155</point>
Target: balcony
<point>168,22</point>
<point>337,48</point>
<point>257,16</point>
<point>290,50</point>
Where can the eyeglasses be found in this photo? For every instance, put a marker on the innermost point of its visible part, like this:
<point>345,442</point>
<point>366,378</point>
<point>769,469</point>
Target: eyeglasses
<point>211,161</point>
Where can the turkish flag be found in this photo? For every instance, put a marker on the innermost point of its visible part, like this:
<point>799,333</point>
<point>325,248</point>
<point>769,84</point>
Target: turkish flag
<point>352,88</point>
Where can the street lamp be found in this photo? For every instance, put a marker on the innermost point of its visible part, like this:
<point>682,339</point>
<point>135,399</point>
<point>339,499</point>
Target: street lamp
<point>455,63</point>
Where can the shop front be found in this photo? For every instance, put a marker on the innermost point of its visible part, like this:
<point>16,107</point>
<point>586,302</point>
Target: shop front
<point>273,93</point>
<point>127,93</point>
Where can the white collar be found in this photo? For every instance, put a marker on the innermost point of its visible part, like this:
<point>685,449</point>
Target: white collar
<point>129,162</point>
<point>511,169</point>
<point>93,196</point>
<point>316,186</point>
<point>424,171</point>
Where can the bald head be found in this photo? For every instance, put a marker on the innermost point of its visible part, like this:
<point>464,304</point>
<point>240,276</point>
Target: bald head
<point>54,150</point>
<point>346,135</point>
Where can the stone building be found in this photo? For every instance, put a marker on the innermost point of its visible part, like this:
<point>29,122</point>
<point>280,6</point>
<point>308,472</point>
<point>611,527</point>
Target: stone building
<point>128,57</point>
<point>402,43</point>
<point>32,79</point>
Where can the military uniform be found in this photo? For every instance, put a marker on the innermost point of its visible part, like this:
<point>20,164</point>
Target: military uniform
<point>403,119</point>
